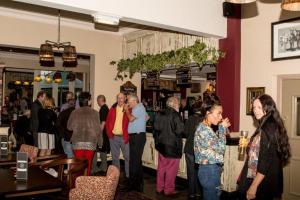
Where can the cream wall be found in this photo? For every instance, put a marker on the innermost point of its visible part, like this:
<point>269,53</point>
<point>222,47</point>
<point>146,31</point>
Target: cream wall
<point>257,69</point>
<point>22,31</point>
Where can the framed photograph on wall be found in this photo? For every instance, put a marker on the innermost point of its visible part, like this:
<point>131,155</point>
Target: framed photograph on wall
<point>286,39</point>
<point>252,93</point>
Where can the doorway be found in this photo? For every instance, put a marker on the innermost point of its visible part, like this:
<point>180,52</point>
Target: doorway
<point>289,100</point>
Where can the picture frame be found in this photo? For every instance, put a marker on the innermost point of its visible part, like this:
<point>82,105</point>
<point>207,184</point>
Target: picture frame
<point>252,93</point>
<point>285,39</point>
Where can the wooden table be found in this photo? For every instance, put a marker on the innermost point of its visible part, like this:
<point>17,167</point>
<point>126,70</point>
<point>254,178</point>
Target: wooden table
<point>39,182</point>
<point>8,160</point>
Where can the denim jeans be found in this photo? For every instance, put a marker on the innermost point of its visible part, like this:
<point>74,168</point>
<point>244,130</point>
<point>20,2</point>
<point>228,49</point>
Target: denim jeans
<point>67,146</point>
<point>210,178</point>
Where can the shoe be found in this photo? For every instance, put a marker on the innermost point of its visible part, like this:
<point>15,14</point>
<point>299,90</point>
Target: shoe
<point>172,194</point>
<point>160,192</point>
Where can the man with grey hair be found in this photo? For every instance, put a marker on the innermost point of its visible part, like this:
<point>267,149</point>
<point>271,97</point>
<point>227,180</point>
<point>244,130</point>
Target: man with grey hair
<point>137,139</point>
<point>168,128</point>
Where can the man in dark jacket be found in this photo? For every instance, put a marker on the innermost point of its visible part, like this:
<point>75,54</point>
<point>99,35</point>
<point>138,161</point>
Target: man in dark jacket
<point>168,142</point>
<point>192,170</point>
<point>34,120</point>
<point>64,133</point>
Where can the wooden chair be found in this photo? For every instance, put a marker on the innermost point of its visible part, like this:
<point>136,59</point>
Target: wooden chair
<point>68,169</point>
<point>96,187</point>
<point>43,160</point>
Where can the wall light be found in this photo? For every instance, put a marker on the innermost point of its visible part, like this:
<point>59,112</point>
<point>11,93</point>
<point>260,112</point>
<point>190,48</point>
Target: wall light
<point>106,19</point>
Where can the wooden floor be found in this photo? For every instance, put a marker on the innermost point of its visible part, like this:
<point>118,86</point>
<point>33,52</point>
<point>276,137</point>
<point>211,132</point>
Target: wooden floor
<point>148,194</point>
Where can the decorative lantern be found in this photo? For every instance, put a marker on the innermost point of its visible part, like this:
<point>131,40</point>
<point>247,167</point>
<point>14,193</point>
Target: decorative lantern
<point>69,56</point>
<point>57,77</point>
<point>46,55</point>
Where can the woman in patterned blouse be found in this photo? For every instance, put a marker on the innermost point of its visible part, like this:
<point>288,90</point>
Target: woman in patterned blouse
<point>209,146</point>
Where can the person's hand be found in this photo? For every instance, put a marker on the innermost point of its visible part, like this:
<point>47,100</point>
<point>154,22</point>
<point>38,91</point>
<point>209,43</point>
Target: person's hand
<point>251,193</point>
<point>126,107</point>
<point>226,123</point>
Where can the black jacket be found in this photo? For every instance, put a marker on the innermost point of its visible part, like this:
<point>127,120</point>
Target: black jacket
<point>34,119</point>
<point>168,130</point>
<point>269,163</point>
<point>62,122</point>
<point>103,112</point>
<point>189,132</point>
<point>47,121</point>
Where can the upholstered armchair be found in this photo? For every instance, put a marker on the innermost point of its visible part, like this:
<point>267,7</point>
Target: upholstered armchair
<point>31,150</point>
<point>96,187</point>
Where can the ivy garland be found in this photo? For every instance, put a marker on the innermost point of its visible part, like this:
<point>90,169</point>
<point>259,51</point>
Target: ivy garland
<point>198,53</point>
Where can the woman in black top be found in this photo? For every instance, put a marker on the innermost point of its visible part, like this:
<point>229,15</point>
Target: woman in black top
<point>267,153</point>
<point>47,129</point>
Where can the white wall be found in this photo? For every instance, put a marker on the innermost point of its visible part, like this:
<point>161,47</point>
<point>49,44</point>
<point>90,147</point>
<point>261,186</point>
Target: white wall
<point>257,69</point>
<point>192,17</point>
<point>20,30</point>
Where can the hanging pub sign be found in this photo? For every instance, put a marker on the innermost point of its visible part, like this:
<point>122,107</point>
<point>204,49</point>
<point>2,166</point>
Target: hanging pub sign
<point>3,145</point>
<point>152,79</point>
<point>211,76</point>
<point>22,166</point>
<point>184,77</point>
<point>128,88</point>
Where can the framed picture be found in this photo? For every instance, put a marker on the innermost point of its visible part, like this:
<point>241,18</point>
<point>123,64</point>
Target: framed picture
<point>286,39</point>
<point>252,93</point>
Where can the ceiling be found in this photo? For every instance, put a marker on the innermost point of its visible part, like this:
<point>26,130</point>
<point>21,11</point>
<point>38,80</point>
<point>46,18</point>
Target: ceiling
<point>122,28</point>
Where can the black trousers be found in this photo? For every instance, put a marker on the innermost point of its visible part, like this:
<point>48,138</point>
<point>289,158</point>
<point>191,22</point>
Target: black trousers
<point>192,175</point>
<point>136,148</point>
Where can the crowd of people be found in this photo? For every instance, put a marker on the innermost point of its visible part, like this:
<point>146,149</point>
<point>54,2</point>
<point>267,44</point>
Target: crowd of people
<point>80,131</point>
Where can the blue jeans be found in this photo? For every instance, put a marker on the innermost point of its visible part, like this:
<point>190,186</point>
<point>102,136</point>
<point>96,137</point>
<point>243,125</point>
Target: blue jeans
<point>210,179</point>
<point>67,146</point>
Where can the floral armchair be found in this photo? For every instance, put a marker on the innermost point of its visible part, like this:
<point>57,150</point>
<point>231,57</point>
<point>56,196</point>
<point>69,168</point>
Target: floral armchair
<point>96,187</point>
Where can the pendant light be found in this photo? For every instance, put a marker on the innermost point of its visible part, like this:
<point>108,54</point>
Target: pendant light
<point>240,1</point>
<point>69,56</point>
<point>46,54</point>
<point>57,78</point>
<point>291,5</point>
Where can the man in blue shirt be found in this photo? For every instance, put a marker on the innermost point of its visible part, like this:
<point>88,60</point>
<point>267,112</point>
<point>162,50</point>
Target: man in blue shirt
<point>137,139</point>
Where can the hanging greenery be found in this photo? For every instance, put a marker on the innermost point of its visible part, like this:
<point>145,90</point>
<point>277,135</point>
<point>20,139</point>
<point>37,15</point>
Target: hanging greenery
<point>198,53</point>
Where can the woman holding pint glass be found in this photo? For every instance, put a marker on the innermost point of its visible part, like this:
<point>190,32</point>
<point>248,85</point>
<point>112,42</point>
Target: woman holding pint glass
<point>267,153</point>
<point>209,146</point>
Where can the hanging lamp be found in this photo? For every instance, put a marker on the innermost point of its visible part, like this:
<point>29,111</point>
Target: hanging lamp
<point>69,56</point>
<point>291,5</point>
<point>240,1</point>
<point>57,78</point>
<point>46,54</point>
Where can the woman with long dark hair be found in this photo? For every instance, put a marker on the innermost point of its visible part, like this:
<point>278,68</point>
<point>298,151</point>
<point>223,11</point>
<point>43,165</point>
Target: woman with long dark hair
<point>209,146</point>
<point>267,153</point>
